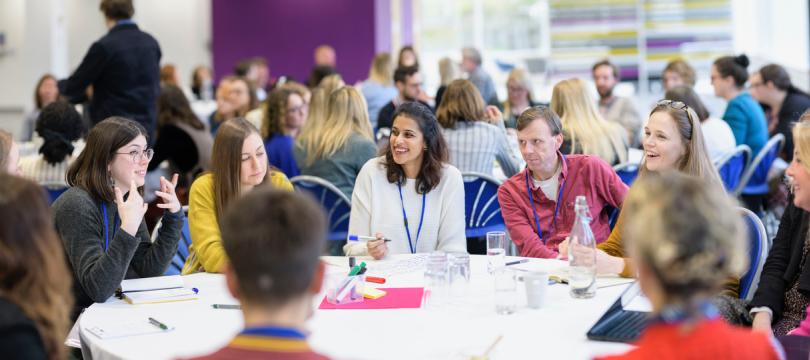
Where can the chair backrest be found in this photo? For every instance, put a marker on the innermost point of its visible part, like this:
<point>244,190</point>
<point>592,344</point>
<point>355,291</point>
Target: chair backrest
<point>482,211</point>
<point>54,189</point>
<point>757,253</point>
<point>732,165</point>
<point>627,172</point>
<point>754,180</point>
<point>337,205</point>
<point>176,266</point>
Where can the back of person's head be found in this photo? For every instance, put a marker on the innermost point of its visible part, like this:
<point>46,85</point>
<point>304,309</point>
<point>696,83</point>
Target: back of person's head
<point>198,74</point>
<point>347,115</point>
<point>407,57</point>
<point>613,67</point>
<point>35,276</point>
<point>90,170</point>
<point>382,69</point>
<point>226,161</point>
<point>584,125</point>
<point>777,75</point>
<point>168,75</point>
<point>6,141</point>
<point>734,66</point>
<point>461,102</point>
<point>472,54</point>
<point>435,155</point>
<point>59,125</point>
<point>695,161</point>
<point>117,9</point>
<point>402,73</point>
<point>276,112</point>
<point>448,71</point>
<point>540,113</point>
<point>276,238</point>
<point>686,236</point>
<point>318,73</point>
<point>688,96</point>
<point>242,68</point>
<point>685,71</point>
<point>331,83</point>
<point>173,107</point>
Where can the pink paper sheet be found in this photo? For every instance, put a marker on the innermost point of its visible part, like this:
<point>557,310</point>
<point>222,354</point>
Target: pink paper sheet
<point>395,298</point>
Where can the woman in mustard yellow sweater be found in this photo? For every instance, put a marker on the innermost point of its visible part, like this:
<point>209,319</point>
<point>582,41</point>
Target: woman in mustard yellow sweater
<point>238,164</point>
<point>672,140</point>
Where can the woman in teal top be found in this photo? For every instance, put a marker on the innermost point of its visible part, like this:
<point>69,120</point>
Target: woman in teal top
<point>743,114</point>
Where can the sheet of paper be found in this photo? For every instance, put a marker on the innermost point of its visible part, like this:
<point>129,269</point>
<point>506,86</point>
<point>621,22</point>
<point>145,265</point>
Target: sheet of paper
<point>395,298</point>
<point>160,282</point>
<point>156,296</point>
<point>116,330</point>
<point>388,268</point>
<point>73,339</point>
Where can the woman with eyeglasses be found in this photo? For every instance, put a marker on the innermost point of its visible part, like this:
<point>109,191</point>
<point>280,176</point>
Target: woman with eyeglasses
<point>672,140</point>
<point>100,218</point>
<point>283,120</point>
<point>238,165</point>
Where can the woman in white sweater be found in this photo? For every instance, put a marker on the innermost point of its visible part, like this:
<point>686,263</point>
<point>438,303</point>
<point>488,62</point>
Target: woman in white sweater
<point>410,195</point>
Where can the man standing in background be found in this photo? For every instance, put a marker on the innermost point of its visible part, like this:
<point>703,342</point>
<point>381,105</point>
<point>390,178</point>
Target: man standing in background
<point>471,63</point>
<point>123,68</point>
<point>615,108</point>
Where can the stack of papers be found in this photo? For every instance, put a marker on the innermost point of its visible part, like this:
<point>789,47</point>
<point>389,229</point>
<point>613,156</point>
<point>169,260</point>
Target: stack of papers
<point>156,290</point>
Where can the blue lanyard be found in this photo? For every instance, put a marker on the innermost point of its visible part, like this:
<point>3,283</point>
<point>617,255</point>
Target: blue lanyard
<point>274,331</point>
<point>107,226</point>
<point>556,208</point>
<point>411,244</point>
<point>674,315</point>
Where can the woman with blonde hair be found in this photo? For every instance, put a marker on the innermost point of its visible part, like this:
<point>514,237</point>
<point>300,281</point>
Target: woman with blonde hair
<point>448,71</point>
<point>332,83</point>
<point>585,130</point>
<point>673,140</point>
<point>238,165</point>
<point>685,239</point>
<point>519,91</point>
<point>474,132</point>
<point>337,152</point>
<point>379,88</point>
<point>35,297</point>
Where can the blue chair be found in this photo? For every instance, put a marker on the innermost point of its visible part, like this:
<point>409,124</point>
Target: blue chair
<point>757,253</point>
<point>179,259</point>
<point>732,165</point>
<point>482,212</point>
<point>754,180</point>
<point>54,190</point>
<point>627,172</point>
<point>337,205</point>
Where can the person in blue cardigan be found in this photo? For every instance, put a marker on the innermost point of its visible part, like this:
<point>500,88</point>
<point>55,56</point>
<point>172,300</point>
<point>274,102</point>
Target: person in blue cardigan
<point>743,114</point>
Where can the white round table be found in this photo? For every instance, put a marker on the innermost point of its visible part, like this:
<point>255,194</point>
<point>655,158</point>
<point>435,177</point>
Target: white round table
<point>464,327</point>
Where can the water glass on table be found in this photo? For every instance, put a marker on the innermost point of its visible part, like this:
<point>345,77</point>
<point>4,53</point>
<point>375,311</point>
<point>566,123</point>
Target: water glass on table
<point>496,250</point>
<point>505,291</point>
<point>459,274</point>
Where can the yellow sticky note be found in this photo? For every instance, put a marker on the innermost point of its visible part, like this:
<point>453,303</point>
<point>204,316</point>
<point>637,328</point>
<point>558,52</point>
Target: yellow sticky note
<point>372,293</point>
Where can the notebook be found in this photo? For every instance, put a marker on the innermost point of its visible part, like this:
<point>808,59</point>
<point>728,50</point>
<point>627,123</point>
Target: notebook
<point>155,290</point>
<point>625,319</point>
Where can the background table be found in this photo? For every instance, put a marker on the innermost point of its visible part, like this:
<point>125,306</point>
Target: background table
<point>462,328</point>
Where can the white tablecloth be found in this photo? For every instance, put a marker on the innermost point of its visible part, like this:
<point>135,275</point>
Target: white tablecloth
<point>463,328</point>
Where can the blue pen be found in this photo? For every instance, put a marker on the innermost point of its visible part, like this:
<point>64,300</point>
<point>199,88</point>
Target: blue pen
<point>364,238</point>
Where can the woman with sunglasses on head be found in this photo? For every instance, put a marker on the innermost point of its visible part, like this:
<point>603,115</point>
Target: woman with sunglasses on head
<point>100,218</point>
<point>409,199</point>
<point>238,165</point>
<point>672,140</point>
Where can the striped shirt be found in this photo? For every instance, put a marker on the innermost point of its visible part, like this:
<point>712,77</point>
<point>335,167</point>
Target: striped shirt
<point>35,167</point>
<point>475,145</point>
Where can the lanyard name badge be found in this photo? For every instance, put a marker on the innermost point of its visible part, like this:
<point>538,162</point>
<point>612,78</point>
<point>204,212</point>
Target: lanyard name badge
<point>411,244</point>
<point>107,226</point>
<point>556,208</point>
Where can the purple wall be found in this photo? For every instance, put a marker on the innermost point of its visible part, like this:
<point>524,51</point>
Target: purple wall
<point>286,32</point>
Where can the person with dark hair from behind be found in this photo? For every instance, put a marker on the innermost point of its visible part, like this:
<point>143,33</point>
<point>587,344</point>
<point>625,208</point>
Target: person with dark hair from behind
<point>269,232</point>
<point>615,108</point>
<point>743,114</point>
<point>124,69</point>
<point>783,103</point>
<point>61,128</point>
<point>318,73</point>
<point>716,133</point>
<point>408,81</point>
<point>414,170</point>
<point>35,298</point>
<point>182,138</point>
<point>105,237</point>
<point>685,239</point>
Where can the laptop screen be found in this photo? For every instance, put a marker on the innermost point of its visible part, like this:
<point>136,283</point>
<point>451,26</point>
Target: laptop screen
<point>634,300</point>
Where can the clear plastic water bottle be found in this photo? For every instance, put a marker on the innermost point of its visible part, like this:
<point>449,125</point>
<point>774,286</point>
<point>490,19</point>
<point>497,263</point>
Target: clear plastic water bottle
<point>436,280</point>
<point>582,253</point>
